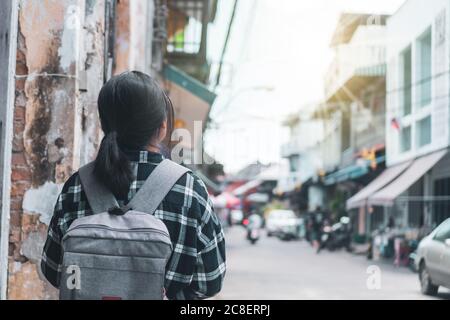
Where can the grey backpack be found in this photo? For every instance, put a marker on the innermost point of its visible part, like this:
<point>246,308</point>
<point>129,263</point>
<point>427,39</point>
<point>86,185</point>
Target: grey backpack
<point>119,253</point>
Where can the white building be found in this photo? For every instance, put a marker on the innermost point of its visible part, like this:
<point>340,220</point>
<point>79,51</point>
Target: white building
<point>418,80</point>
<point>303,155</point>
<point>355,84</point>
<point>415,187</point>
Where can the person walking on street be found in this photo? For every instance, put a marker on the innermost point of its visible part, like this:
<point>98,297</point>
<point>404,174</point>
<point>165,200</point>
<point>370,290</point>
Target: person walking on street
<point>316,228</point>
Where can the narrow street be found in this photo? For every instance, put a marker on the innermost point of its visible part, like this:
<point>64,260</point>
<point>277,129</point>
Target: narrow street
<point>273,269</point>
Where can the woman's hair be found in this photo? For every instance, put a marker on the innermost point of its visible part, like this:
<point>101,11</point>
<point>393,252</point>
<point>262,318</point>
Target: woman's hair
<point>132,109</point>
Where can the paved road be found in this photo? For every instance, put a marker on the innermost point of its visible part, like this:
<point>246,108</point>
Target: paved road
<point>273,269</point>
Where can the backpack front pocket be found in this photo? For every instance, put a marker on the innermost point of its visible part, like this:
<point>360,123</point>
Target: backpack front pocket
<point>102,277</point>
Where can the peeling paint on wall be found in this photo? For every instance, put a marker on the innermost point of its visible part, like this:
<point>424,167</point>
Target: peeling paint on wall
<point>56,126</point>
<point>45,118</point>
<point>42,201</point>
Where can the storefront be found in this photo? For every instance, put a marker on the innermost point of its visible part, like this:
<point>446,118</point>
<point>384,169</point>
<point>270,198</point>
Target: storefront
<point>410,199</point>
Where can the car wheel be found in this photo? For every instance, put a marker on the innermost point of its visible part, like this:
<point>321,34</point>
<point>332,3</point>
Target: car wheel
<point>269,234</point>
<point>426,285</point>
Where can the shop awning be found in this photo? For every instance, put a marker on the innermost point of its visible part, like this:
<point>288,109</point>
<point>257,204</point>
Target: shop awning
<point>420,166</point>
<point>192,101</point>
<point>351,172</point>
<point>360,199</point>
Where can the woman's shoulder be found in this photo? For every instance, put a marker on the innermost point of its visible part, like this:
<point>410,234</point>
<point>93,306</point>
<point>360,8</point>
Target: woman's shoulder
<point>196,183</point>
<point>72,191</point>
<point>73,181</point>
<point>189,186</point>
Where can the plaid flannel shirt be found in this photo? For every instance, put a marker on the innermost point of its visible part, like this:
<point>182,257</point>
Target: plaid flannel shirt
<point>197,266</point>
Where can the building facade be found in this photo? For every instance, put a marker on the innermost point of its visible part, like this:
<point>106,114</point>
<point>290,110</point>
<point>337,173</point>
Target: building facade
<point>303,161</point>
<point>413,192</point>
<point>355,111</point>
<point>418,104</point>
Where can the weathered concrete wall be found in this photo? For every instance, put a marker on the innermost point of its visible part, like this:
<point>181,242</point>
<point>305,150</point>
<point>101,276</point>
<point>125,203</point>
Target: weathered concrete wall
<point>54,124</point>
<point>122,47</point>
<point>92,64</point>
<point>59,73</point>
<point>133,36</point>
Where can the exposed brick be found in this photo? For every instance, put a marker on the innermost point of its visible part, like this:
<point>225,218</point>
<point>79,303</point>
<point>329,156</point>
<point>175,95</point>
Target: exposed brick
<point>16,203</point>
<point>19,188</point>
<point>18,159</point>
<point>21,61</point>
<point>14,235</point>
<point>11,247</point>
<point>21,69</point>
<point>21,174</point>
<point>24,283</point>
<point>17,145</point>
<point>30,223</point>
<point>20,85</point>
<point>19,127</point>
<point>19,111</point>
<point>16,218</point>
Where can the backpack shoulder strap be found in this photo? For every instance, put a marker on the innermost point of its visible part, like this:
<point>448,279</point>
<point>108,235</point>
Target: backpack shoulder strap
<point>99,197</point>
<point>157,186</point>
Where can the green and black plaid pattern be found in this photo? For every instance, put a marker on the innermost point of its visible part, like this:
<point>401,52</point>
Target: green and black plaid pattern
<point>197,266</point>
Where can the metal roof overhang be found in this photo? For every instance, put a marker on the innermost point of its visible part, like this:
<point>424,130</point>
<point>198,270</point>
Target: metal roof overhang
<point>360,79</point>
<point>191,99</point>
<point>420,166</point>
<point>360,198</point>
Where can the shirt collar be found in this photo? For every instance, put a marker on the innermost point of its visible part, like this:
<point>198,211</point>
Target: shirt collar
<point>144,156</point>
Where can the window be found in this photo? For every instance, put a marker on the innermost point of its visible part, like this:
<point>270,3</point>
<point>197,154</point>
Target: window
<point>443,233</point>
<point>405,139</point>
<point>424,54</point>
<point>294,162</point>
<point>416,208</point>
<point>406,72</point>
<point>423,132</point>
<point>185,26</point>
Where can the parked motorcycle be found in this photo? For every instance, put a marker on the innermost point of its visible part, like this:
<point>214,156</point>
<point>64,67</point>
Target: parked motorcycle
<point>337,236</point>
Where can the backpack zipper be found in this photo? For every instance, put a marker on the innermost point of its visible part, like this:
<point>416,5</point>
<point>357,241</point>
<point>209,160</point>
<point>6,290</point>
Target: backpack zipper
<point>99,226</point>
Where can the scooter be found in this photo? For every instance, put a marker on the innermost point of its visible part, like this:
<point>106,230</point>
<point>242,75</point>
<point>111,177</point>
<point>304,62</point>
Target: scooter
<point>253,235</point>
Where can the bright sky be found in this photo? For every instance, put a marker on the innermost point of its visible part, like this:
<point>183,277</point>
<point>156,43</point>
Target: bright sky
<point>277,57</point>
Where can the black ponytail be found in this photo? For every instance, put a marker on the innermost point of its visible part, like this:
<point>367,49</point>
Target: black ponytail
<point>112,166</point>
<point>132,109</point>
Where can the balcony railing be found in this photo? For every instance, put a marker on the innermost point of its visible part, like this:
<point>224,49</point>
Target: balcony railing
<point>348,60</point>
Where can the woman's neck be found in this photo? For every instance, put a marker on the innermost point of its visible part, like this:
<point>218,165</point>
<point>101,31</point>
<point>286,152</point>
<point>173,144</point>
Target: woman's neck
<point>154,149</point>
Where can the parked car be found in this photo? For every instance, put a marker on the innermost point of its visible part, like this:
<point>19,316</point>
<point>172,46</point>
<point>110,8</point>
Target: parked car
<point>283,223</point>
<point>433,259</point>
